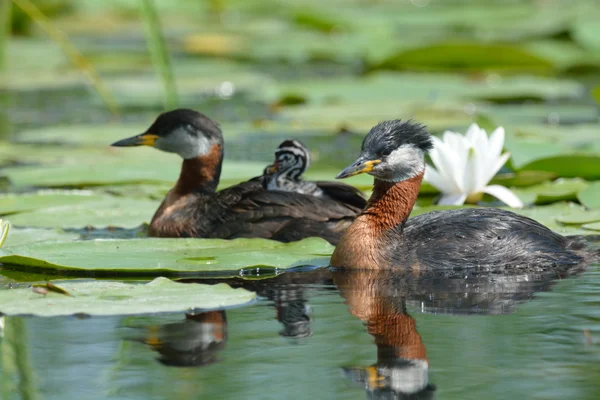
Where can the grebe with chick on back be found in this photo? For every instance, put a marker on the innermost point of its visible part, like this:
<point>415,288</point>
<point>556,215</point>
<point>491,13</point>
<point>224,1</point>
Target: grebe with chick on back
<point>292,159</point>
<point>194,207</point>
<point>383,236</point>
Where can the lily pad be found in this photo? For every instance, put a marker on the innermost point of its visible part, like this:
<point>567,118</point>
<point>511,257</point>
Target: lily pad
<point>20,236</point>
<point>130,168</point>
<point>552,216</point>
<point>162,256</point>
<point>523,152</point>
<point>105,211</point>
<point>590,197</point>
<point>467,57</point>
<point>551,192</point>
<point>579,218</point>
<point>594,226</point>
<point>569,166</point>
<point>13,203</point>
<point>116,298</point>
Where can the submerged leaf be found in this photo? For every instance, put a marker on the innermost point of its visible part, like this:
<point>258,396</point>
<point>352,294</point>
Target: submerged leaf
<point>116,298</point>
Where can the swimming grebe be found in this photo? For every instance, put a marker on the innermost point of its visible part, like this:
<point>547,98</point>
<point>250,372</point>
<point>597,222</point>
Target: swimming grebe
<point>193,208</point>
<point>381,237</point>
<point>292,159</point>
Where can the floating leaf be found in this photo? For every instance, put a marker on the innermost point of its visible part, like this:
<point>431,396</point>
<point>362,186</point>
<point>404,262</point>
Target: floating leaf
<point>590,197</point>
<point>525,151</point>
<point>523,178</point>
<point>160,256</point>
<point>105,211</point>
<point>116,298</point>
<point>551,192</point>
<point>594,226</point>
<point>119,170</point>
<point>579,218</point>
<point>14,203</point>
<point>467,57</point>
<point>569,166</point>
<point>20,236</point>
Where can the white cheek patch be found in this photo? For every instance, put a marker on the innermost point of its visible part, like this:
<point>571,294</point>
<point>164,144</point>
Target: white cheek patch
<point>405,162</point>
<point>185,144</point>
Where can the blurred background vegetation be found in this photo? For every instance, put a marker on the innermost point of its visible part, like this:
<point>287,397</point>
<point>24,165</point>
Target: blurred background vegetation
<point>79,74</point>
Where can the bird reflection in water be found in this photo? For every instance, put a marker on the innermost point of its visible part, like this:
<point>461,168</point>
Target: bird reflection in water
<point>380,298</point>
<point>197,340</point>
<point>193,342</point>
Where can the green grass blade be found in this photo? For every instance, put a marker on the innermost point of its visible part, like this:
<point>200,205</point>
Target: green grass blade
<point>159,53</point>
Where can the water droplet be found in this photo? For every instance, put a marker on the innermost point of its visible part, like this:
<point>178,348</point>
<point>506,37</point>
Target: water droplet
<point>225,90</point>
<point>470,108</point>
<point>553,118</point>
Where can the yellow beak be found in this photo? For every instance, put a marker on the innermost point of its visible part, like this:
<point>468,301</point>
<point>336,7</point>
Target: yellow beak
<point>144,139</point>
<point>360,166</point>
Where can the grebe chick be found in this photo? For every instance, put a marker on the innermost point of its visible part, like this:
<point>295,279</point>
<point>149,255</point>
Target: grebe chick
<point>194,208</point>
<point>292,159</point>
<point>383,236</point>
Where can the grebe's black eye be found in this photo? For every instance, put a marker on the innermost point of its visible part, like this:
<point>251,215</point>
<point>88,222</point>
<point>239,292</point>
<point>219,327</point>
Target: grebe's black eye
<point>386,152</point>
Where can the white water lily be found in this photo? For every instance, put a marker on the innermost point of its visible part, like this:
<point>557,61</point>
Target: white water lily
<point>465,164</point>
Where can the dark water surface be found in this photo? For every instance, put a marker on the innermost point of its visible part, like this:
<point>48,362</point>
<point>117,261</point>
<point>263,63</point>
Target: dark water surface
<point>329,335</point>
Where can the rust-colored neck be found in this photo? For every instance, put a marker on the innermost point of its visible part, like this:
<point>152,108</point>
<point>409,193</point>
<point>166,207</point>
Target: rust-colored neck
<point>391,203</point>
<point>201,173</point>
<point>364,244</point>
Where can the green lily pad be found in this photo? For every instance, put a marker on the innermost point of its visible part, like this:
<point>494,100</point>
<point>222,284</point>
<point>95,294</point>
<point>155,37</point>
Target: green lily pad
<point>105,211</point>
<point>546,113</point>
<point>551,192</point>
<point>467,57</point>
<point>550,215</point>
<point>13,203</point>
<point>522,178</point>
<point>116,298</point>
<point>161,256</point>
<point>590,197</point>
<point>587,33</point>
<point>386,86</point>
<point>20,236</point>
<point>78,135</point>
<point>135,167</point>
<point>568,166</point>
<point>523,152</point>
<point>579,218</point>
<point>574,138</point>
<point>594,226</point>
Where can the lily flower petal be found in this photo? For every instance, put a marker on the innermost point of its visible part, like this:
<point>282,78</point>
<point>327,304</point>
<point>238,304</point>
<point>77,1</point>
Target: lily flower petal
<point>504,195</point>
<point>435,179</point>
<point>447,163</point>
<point>452,199</point>
<point>472,132</point>
<point>472,175</point>
<point>492,170</point>
<point>496,143</point>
